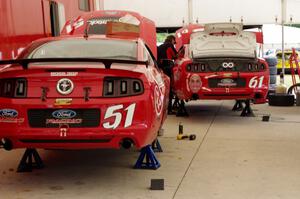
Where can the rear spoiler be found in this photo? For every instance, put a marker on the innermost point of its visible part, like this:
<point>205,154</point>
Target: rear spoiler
<point>107,62</point>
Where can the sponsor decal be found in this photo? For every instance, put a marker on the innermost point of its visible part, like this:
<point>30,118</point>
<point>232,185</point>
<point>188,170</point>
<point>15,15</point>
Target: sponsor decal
<point>227,64</point>
<point>11,120</point>
<point>195,83</point>
<point>65,86</point>
<point>63,101</point>
<point>158,100</point>
<point>61,74</point>
<point>10,116</point>
<point>78,23</point>
<point>227,82</point>
<point>63,121</point>
<point>227,75</point>
<point>102,21</point>
<point>64,114</point>
<point>8,113</point>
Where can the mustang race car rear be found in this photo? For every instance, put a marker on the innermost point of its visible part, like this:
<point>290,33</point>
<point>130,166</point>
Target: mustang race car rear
<point>80,93</point>
<point>220,63</point>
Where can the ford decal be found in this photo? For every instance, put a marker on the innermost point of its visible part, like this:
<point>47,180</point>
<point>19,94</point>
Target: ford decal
<point>8,113</point>
<point>64,114</point>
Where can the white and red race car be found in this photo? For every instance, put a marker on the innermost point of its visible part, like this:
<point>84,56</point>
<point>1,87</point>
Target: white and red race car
<point>219,62</point>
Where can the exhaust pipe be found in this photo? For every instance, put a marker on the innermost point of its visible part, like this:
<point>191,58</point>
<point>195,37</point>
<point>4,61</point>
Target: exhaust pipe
<point>127,143</point>
<point>6,144</point>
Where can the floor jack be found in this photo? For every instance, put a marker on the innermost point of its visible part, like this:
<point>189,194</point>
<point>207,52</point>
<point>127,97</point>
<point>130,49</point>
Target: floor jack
<point>246,110</point>
<point>147,158</point>
<point>30,160</point>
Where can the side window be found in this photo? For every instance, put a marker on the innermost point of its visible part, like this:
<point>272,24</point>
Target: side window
<point>149,56</point>
<point>84,5</point>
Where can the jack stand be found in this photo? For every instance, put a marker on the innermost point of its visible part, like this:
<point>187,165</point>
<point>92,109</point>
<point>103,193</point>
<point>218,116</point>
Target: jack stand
<point>156,146</point>
<point>175,105</point>
<point>247,111</point>
<point>151,161</point>
<point>182,112</point>
<point>30,160</point>
<point>238,106</point>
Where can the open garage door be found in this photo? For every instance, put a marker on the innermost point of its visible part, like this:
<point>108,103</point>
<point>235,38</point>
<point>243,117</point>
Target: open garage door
<point>173,13</point>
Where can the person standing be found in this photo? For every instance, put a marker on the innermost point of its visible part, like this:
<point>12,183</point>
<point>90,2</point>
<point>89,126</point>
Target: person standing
<point>167,51</point>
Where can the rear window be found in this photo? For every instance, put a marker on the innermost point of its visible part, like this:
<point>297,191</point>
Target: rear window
<point>91,48</point>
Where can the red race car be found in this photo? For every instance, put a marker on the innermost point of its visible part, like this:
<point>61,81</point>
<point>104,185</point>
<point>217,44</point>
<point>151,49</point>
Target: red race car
<point>80,92</point>
<point>220,63</point>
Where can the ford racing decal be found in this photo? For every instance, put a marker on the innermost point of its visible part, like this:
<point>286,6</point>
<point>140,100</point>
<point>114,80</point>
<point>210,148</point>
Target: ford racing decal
<point>8,113</point>
<point>64,114</point>
<point>63,121</point>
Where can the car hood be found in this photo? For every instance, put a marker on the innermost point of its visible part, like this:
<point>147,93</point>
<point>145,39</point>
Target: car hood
<point>223,40</point>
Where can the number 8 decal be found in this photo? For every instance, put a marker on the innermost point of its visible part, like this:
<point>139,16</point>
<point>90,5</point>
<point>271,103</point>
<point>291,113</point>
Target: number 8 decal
<point>256,82</point>
<point>114,111</point>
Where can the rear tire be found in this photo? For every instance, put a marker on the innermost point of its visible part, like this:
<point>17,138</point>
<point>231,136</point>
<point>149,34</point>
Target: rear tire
<point>290,90</point>
<point>276,99</point>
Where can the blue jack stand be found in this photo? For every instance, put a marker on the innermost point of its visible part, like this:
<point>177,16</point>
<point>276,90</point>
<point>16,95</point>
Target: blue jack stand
<point>156,146</point>
<point>147,154</point>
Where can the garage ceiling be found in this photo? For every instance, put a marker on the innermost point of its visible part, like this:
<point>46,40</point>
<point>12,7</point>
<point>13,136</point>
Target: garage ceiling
<point>172,13</point>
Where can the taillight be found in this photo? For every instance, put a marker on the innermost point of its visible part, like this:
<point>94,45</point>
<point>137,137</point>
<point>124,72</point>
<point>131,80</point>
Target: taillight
<point>196,67</point>
<point>256,67</point>
<point>122,87</point>
<point>13,88</point>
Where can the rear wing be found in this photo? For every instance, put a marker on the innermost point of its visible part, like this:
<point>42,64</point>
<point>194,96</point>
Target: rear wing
<point>107,62</point>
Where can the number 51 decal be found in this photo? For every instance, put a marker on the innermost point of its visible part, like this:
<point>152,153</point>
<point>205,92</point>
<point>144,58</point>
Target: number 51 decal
<point>115,111</point>
<point>256,82</point>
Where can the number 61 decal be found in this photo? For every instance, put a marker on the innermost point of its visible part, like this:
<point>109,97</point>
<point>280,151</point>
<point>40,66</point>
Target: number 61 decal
<point>115,111</point>
<point>256,82</point>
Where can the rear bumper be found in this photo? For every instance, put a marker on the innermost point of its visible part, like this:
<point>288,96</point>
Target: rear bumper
<point>142,130</point>
<point>75,138</point>
<point>257,95</point>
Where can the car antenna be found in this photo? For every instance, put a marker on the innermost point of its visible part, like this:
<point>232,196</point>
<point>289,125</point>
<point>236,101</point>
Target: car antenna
<point>86,32</point>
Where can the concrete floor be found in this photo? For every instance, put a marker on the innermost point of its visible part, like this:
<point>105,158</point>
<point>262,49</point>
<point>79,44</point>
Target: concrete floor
<point>233,157</point>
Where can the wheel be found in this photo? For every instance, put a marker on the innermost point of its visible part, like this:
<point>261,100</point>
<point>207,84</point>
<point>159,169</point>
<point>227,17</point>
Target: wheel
<point>276,99</point>
<point>273,79</point>
<point>272,61</point>
<point>293,88</point>
<point>273,70</point>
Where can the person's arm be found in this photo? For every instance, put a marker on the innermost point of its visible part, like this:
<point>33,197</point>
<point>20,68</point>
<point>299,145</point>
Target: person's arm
<point>171,53</point>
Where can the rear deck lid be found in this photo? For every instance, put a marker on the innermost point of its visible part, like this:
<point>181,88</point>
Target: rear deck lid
<point>223,40</point>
